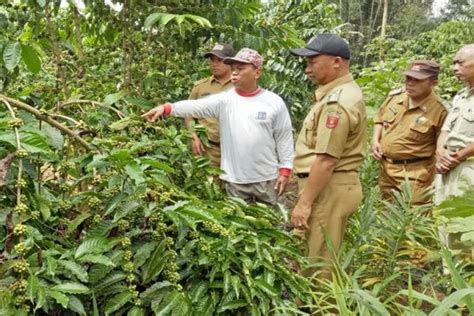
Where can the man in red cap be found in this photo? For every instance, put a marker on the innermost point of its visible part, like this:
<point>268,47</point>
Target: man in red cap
<point>255,131</point>
<point>219,81</point>
<point>405,132</point>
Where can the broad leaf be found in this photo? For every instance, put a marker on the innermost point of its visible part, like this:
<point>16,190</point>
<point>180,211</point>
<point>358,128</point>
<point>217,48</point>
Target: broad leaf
<point>11,55</point>
<point>30,58</point>
<point>117,302</point>
<point>71,287</point>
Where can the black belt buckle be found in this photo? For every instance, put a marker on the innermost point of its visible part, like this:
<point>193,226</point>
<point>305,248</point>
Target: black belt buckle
<point>302,175</point>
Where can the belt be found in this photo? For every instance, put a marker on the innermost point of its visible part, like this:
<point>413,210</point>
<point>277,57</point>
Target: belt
<point>404,161</point>
<point>213,143</point>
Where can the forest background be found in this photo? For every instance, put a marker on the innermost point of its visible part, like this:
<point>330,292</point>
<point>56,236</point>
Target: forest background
<point>102,213</point>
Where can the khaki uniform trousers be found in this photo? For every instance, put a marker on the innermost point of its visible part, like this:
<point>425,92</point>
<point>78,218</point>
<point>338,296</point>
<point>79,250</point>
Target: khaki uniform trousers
<point>329,215</point>
<point>213,152</point>
<point>420,176</point>
<point>261,192</point>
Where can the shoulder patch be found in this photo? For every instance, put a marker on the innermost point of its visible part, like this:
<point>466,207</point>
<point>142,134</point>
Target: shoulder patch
<point>197,83</point>
<point>396,92</point>
<point>334,96</point>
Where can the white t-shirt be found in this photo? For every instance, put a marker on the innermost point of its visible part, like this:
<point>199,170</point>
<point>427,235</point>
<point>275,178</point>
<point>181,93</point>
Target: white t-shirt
<point>255,133</point>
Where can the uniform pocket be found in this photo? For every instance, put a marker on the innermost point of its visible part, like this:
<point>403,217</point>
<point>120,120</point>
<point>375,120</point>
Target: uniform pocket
<point>466,127</point>
<point>310,133</point>
<point>420,131</point>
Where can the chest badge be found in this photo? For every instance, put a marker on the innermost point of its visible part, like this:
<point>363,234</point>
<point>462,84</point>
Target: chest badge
<point>261,116</point>
<point>332,119</point>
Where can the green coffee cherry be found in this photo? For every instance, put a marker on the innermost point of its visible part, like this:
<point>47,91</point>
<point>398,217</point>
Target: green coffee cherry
<point>19,230</point>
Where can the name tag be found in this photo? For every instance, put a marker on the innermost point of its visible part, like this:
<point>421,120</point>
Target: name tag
<point>261,116</point>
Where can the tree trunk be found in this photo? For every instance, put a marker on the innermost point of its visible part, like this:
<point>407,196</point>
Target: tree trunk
<point>384,19</point>
<point>78,35</point>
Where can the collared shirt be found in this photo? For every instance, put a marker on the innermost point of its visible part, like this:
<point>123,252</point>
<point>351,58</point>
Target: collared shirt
<point>460,121</point>
<point>336,125</point>
<point>410,130</point>
<point>202,89</point>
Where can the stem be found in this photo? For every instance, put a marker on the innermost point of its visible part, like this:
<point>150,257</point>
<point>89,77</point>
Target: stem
<point>56,51</point>
<point>78,35</point>
<point>46,118</point>
<point>95,103</point>
<point>9,219</point>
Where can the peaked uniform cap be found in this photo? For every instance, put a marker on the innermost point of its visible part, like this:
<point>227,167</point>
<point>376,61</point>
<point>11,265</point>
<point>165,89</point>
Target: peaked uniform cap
<point>324,44</point>
<point>423,69</point>
<point>221,50</point>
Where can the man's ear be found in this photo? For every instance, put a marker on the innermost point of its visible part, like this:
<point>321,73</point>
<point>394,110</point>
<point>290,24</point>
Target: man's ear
<point>337,62</point>
<point>258,73</point>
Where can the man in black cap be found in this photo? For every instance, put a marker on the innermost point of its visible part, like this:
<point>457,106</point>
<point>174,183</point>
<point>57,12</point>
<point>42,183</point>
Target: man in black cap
<point>219,81</point>
<point>329,150</point>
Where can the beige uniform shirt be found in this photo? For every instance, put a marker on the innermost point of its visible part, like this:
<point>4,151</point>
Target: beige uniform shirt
<point>460,121</point>
<point>203,88</point>
<point>336,125</point>
<point>410,131</point>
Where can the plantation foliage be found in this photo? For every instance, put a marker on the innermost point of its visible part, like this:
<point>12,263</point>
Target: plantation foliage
<point>104,214</point>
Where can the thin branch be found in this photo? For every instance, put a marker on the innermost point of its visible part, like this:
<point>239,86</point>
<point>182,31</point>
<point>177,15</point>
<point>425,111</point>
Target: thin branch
<point>95,103</point>
<point>47,119</point>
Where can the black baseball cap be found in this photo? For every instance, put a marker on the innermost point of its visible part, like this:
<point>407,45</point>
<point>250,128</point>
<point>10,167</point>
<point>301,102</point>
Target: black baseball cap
<point>324,44</point>
<point>221,50</point>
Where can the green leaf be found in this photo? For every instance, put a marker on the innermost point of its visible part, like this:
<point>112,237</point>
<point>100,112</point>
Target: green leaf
<point>30,141</point>
<point>76,269</point>
<point>56,139</point>
<point>59,297</point>
<point>136,311</point>
<point>267,288</point>
<point>143,253</point>
<point>41,3</point>
<point>155,264</point>
<point>117,302</point>
<point>76,222</point>
<point>44,205</point>
<point>93,245</point>
<point>163,19</point>
<point>11,55</point>
<point>171,300</point>
<point>121,124</point>
<point>232,305</point>
<point>100,259</point>
<point>112,278</point>
<point>71,287</point>
<point>76,305</point>
<point>30,58</point>
<point>112,98</point>
<point>135,172</point>
<point>451,300</point>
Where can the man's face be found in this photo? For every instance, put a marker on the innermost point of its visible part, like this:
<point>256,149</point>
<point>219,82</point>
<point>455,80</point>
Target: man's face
<point>217,66</point>
<point>244,74</point>
<point>417,89</point>
<point>463,66</point>
<point>320,69</point>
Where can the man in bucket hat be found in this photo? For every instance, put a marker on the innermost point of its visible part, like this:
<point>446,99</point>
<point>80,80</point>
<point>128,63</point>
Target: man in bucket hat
<point>406,129</point>
<point>255,131</point>
<point>329,151</point>
<point>219,81</point>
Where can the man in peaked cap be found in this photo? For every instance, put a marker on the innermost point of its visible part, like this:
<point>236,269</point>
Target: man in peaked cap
<point>255,131</point>
<point>329,150</point>
<point>219,81</point>
<point>406,129</point>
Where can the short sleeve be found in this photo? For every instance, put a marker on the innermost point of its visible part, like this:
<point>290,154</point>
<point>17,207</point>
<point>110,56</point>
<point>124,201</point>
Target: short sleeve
<point>332,131</point>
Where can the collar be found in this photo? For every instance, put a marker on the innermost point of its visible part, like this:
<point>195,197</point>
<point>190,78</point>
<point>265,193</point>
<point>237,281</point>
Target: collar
<point>421,105</point>
<point>323,90</point>
<point>213,79</point>
<point>248,94</point>
<point>466,92</point>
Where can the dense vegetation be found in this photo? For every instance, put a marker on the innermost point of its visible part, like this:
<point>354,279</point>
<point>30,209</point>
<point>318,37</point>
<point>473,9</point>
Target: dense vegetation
<point>102,213</point>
